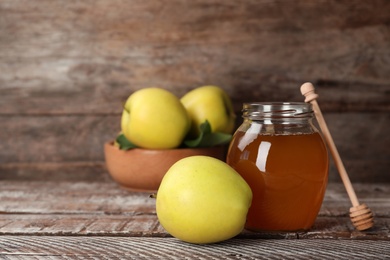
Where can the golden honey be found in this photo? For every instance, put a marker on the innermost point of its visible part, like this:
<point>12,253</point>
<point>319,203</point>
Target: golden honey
<point>285,162</point>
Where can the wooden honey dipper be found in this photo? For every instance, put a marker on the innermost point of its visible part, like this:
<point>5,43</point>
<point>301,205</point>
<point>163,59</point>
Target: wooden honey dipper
<point>361,216</point>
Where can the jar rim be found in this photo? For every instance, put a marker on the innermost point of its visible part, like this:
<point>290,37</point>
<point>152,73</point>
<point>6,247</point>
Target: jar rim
<point>260,110</point>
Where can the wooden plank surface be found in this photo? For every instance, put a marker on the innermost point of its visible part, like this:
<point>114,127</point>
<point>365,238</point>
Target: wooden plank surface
<point>71,147</point>
<point>65,247</point>
<point>81,138</point>
<point>65,220</point>
<point>147,225</point>
<point>66,68</point>
<point>82,208</point>
<point>85,57</point>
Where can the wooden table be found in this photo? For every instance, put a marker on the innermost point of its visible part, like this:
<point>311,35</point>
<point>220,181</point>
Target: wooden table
<point>63,220</point>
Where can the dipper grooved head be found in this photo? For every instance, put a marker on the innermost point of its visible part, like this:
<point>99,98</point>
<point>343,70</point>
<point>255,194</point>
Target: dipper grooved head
<point>307,90</point>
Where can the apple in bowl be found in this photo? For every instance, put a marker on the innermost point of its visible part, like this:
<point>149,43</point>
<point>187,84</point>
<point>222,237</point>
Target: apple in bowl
<point>155,133</point>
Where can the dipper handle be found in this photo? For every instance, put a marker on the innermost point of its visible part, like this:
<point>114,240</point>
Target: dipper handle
<point>357,211</point>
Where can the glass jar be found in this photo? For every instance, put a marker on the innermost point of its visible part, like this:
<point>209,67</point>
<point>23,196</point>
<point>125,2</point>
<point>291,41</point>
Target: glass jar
<point>283,158</point>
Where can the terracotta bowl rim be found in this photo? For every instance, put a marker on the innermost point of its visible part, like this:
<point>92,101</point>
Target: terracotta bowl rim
<point>128,178</point>
<point>138,149</point>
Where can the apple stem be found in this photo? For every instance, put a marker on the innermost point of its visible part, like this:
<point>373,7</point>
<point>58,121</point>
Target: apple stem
<point>153,195</point>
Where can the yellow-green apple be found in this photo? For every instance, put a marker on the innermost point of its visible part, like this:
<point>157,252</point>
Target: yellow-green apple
<point>154,118</point>
<point>202,200</point>
<point>210,103</point>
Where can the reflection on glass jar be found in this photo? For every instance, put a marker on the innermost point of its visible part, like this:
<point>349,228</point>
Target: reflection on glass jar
<point>283,157</point>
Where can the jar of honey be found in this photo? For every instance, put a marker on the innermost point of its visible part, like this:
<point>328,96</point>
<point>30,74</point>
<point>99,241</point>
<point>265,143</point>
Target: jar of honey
<point>283,158</point>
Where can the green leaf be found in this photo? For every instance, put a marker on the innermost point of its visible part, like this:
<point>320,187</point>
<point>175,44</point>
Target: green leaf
<point>207,139</point>
<point>124,144</point>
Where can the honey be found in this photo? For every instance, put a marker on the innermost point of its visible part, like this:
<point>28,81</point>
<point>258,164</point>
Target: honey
<point>285,162</point>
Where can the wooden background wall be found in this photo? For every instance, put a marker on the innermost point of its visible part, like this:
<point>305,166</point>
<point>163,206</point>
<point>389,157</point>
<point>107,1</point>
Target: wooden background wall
<point>67,66</point>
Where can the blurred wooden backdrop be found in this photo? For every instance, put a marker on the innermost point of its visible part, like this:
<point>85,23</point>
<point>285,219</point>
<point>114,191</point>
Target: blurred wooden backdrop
<point>67,66</point>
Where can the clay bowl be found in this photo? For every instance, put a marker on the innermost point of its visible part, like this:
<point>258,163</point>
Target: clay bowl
<point>143,169</point>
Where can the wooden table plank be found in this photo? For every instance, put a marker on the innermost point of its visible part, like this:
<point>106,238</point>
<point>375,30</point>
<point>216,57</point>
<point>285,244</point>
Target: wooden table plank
<point>148,226</point>
<point>65,247</point>
<point>105,209</point>
<point>67,220</point>
<point>51,197</point>
<point>80,224</point>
